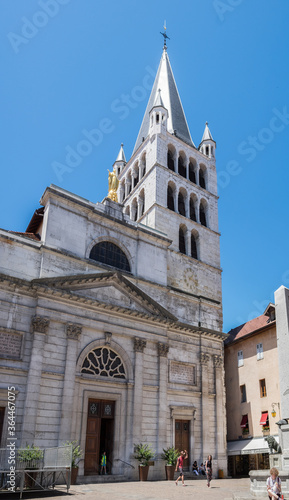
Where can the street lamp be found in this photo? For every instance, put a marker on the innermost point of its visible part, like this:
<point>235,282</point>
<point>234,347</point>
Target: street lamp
<point>273,412</point>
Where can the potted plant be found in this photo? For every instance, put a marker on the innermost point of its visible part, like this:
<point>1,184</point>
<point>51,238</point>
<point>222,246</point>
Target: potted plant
<point>170,455</point>
<point>143,453</point>
<point>30,458</point>
<point>75,459</point>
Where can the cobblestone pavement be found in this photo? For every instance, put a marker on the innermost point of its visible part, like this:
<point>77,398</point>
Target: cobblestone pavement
<point>221,489</point>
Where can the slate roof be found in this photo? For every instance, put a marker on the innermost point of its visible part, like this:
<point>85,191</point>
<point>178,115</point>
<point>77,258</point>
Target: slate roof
<point>171,101</point>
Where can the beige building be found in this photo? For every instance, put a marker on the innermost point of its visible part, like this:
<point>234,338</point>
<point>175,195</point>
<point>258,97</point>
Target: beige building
<point>252,392</point>
<point>111,315</point>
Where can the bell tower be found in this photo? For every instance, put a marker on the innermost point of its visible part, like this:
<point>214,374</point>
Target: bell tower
<point>170,185</point>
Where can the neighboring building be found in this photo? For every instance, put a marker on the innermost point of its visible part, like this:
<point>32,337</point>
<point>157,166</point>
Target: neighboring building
<point>111,316</point>
<point>252,392</point>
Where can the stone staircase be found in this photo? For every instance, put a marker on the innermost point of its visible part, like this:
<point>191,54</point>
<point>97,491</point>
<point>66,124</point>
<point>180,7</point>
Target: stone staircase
<point>108,478</point>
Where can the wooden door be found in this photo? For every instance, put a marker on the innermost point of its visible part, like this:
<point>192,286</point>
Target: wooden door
<point>182,437</point>
<point>99,435</point>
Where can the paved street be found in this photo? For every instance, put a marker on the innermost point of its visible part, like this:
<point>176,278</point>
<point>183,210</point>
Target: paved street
<point>221,489</point>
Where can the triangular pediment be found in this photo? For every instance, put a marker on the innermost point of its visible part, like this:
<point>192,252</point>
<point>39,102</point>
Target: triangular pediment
<point>110,288</point>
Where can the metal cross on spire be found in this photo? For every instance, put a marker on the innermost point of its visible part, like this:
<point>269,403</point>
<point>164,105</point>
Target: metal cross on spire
<point>165,36</point>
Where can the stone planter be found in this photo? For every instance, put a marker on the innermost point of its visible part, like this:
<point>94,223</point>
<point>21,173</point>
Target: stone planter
<point>170,472</point>
<point>143,472</point>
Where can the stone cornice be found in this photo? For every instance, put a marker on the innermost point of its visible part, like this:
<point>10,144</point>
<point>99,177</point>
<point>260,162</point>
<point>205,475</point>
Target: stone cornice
<point>45,288</point>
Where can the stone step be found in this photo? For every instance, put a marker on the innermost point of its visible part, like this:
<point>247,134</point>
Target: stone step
<point>108,478</point>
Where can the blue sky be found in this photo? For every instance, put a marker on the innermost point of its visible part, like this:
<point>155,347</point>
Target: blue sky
<point>68,66</point>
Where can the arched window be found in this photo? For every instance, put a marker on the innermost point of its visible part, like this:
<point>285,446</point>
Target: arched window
<point>129,183</point>
<point>105,362</point>
<point>192,174</point>
<point>170,160</point>
<point>202,179</point>
<point>143,163</point>
<point>182,167</point>
<point>192,209</point>
<point>182,239</point>
<point>194,250</point>
<point>203,217</point>
<point>108,253</point>
<point>170,198</point>
<point>181,204</point>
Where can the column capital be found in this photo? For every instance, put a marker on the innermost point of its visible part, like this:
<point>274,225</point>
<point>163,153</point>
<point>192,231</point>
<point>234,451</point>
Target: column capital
<point>163,349</point>
<point>139,344</point>
<point>204,358</point>
<point>73,331</point>
<point>40,324</point>
<point>218,360</point>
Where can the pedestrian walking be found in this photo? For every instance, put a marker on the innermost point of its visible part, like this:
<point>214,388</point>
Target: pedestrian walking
<point>208,467</point>
<point>103,463</point>
<point>180,466</point>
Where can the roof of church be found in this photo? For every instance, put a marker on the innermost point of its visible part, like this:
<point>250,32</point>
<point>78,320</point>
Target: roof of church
<point>171,101</point>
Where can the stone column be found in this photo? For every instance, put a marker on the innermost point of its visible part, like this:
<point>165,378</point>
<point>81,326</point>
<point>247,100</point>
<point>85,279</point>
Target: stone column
<point>39,327</point>
<point>139,345</point>
<point>282,328</point>
<point>73,333</point>
<point>197,175</point>
<point>220,414</point>
<point>197,211</point>
<point>163,350</point>
<point>204,359</point>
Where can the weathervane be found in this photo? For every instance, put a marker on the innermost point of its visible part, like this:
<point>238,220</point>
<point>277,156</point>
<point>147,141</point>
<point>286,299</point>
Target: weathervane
<point>165,36</point>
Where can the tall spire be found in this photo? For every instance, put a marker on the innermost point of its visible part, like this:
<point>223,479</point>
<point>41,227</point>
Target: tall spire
<point>177,123</point>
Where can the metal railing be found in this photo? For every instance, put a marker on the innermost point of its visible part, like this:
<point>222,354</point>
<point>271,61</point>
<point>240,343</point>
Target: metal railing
<point>34,469</point>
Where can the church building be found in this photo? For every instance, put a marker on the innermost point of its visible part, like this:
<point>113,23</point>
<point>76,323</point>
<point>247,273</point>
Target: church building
<point>111,312</point>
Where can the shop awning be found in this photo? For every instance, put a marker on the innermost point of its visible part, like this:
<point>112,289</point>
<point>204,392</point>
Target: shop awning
<point>244,421</point>
<point>264,418</point>
<point>248,446</point>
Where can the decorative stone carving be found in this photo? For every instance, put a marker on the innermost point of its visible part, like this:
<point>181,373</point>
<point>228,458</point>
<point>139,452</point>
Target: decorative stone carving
<point>107,338</point>
<point>163,349</point>
<point>218,360</point>
<point>39,324</point>
<point>73,331</point>
<point>139,344</point>
<point>204,358</point>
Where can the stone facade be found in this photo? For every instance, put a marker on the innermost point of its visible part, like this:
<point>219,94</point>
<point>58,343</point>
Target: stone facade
<point>111,355</point>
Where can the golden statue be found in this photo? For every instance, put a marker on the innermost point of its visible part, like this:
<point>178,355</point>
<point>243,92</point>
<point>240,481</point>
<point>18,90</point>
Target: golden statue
<point>113,183</point>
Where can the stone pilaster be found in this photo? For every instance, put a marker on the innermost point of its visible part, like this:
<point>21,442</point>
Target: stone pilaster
<point>39,327</point>
<point>73,333</point>
<point>220,416</point>
<point>204,360</point>
<point>139,346</point>
<point>163,350</point>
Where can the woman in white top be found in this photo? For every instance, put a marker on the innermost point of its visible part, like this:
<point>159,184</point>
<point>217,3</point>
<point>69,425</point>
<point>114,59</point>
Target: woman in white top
<point>274,484</point>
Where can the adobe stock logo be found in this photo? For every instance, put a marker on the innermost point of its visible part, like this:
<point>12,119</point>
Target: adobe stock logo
<point>30,27</point>
<point>254,144</point>
<point>91,139</point>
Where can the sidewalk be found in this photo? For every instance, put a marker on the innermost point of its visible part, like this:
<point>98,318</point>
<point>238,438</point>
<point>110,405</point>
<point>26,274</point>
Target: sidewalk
<point>221,489</point>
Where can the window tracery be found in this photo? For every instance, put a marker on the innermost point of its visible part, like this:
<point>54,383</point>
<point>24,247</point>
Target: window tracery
<point>105,362</point>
